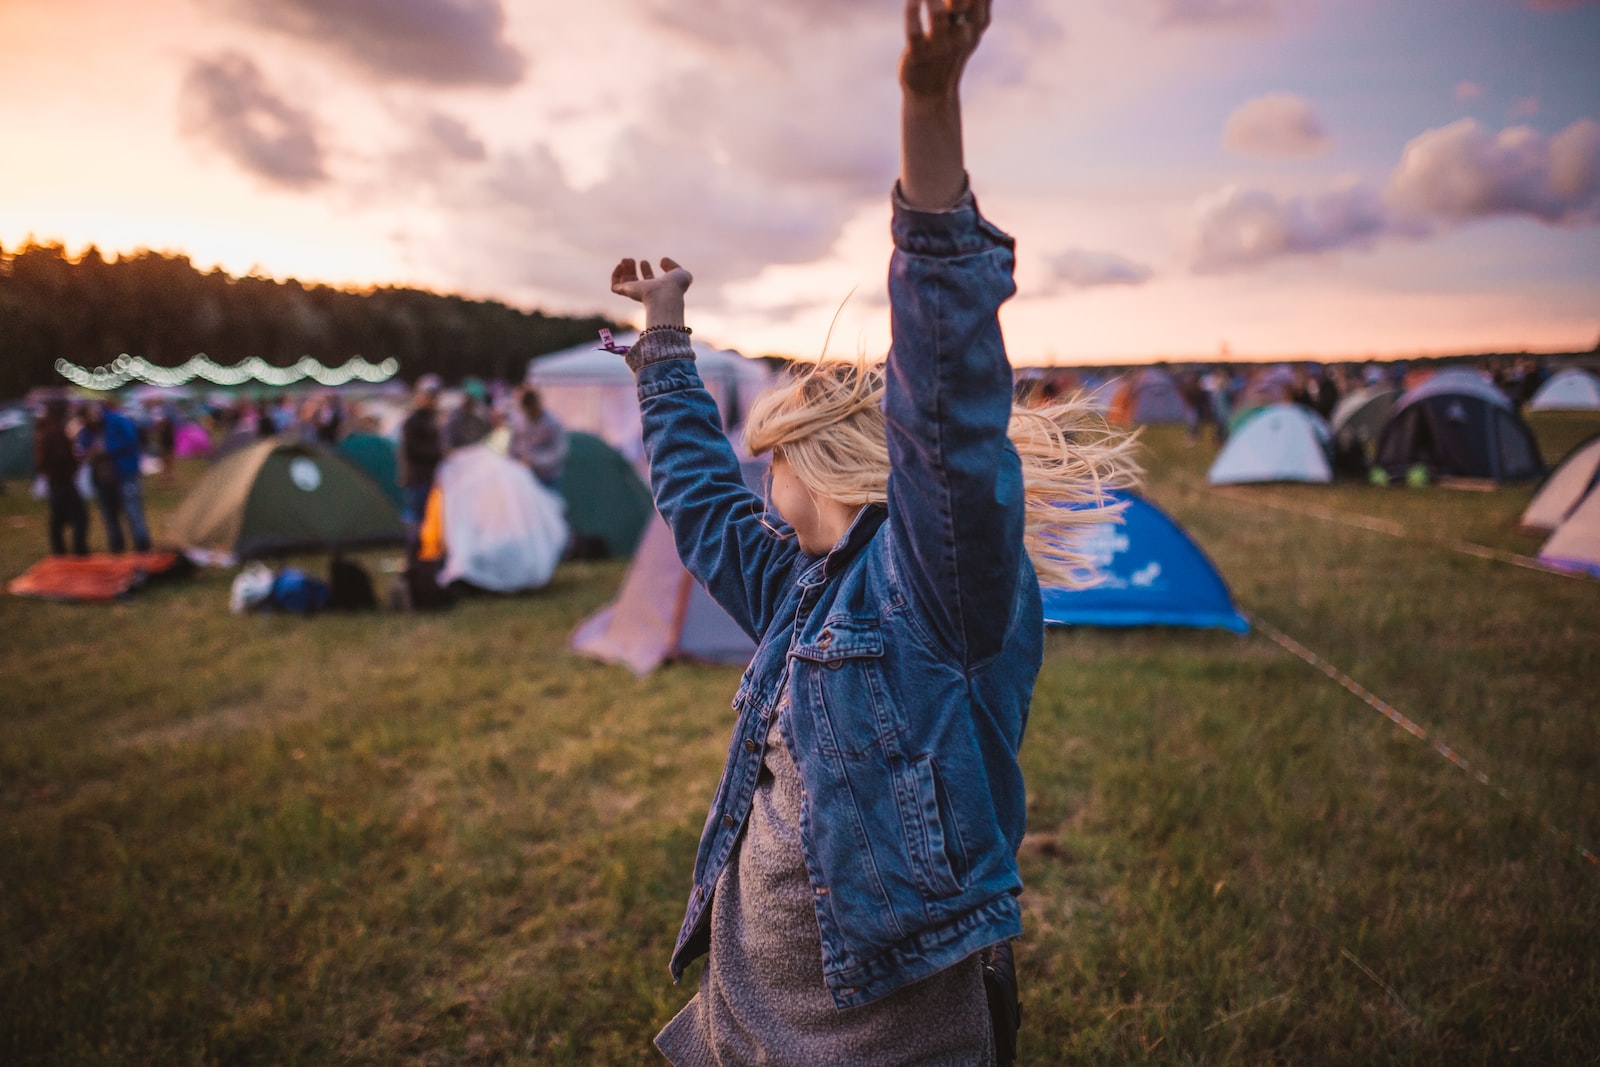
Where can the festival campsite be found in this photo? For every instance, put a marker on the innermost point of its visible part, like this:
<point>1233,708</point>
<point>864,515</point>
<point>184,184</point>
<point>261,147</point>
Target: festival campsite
<point>1308,775</point>
<point>949,533</point>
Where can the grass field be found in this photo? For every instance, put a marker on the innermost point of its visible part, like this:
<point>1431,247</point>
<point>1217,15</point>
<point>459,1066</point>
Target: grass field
<point>442,838</point>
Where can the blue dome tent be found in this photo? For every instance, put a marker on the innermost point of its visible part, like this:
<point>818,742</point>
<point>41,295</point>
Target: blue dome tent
<point>1155,576</point>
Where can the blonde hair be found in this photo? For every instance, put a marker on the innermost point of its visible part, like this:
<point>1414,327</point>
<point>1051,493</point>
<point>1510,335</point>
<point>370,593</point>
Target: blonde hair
<point>827,421</point>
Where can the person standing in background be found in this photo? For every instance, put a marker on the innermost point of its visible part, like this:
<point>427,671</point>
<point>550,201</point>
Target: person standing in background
<point>421,450</point>
<point>110,442</point>
<point>538,440</point>
<point>55,461</point>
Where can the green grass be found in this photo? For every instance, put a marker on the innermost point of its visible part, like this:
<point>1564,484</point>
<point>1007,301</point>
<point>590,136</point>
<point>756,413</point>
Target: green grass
<point>442,838</point>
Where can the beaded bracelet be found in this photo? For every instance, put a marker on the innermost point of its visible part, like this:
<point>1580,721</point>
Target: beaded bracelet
<point>648,330</point>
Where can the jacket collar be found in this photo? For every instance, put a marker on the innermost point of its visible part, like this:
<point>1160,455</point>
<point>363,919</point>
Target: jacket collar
<point>861,530</point>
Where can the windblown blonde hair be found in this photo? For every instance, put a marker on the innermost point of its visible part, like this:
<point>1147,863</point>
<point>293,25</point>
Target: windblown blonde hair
<point>827,421</point>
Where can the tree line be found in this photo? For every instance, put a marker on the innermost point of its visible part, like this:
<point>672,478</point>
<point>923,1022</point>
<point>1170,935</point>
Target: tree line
<point>157,305</point>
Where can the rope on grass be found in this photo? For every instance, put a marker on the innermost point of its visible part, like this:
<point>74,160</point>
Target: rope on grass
<point>1395,529</point>
<point>1394,715</point>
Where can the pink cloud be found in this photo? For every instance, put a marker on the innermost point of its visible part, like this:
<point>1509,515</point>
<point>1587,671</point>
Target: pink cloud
<point>1468,91</point>
<point>1463,171</point>
<point>1276,126</point>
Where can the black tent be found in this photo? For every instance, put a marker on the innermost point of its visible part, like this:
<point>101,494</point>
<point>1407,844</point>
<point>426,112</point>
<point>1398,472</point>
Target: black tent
<point>1458,426</point>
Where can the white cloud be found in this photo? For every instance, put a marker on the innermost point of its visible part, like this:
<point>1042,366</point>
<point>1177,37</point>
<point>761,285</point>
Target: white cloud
<point>1082,269</point>
<point>1242,228</point>
<point>1462,172</point>
<point>443,42</point>
<point>1446,177</point>
<point>227,102</point>
<point>1277,126</point>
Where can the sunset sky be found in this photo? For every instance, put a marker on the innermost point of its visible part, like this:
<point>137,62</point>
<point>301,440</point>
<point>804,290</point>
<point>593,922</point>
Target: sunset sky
<point>1280,177</point>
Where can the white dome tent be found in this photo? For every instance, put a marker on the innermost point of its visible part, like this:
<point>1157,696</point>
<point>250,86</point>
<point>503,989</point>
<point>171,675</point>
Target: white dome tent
<point>592,390</point>
<point>1573,389</point>
<point>1279,443</point>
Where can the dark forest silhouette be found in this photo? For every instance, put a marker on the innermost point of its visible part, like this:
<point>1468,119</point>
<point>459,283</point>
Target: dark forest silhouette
<point>157,305</point>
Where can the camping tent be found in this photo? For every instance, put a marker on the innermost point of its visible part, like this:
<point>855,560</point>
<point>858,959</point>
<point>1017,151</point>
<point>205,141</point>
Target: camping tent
<point>662,613</point>
<point>592,390</point>
<point>503,531</point>
<point>608,504</point>
<point>278,496</point>
<point>1147,397</point>
<point>1575,544</point>
<point>1572,480</point>
<point>1359,416</point>
<point>1573,389</point>
<point>16,444</point>
<point>1154,576</point>
<point>378,458</point>
<point>1457,424</point>
<point>1357,423</point>
<point>190,440</point>
<point>1278,443</point>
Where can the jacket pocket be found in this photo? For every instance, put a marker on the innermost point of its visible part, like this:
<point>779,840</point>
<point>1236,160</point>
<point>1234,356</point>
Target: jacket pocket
<point>932,839</point>
<point>841,670</point>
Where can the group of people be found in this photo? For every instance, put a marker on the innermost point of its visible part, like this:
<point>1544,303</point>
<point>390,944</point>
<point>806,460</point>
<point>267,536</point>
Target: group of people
<point>94,453</point>
<point>520,426</point>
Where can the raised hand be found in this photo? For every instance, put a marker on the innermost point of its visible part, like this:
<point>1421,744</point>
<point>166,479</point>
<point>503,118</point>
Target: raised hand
<point>941,36</point>
<point>637,281</point>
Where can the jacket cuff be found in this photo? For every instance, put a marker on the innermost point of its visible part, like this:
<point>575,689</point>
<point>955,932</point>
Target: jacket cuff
<point>959,230</point>
<point>657,348</point>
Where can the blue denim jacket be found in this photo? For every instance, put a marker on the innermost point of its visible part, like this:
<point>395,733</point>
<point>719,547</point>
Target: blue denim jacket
<point>908,653</point>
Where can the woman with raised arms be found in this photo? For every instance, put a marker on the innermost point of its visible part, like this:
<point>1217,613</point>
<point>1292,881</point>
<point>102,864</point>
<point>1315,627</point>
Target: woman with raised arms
<point>857,874</point>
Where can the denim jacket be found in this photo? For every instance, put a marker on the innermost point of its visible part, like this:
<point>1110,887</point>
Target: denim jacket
<point>908,653</point>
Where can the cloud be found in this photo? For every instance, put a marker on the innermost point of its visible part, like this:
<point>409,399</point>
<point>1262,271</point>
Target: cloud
<point>450,136</point>
<point>1462,172</point>
<point>440,42</point>
<point>1446,177</point>
<point>226,101</point>
<point>1081,269</point>
<point>1214,12</point>
<point>1276,126</point>
<point>1468,91</point>
<point>1242,228</point>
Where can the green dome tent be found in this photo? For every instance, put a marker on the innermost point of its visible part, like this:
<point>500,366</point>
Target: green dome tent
<point>16,444</point>
<point>281,496</point>
<point>608,503</point>
<point>379,458</point>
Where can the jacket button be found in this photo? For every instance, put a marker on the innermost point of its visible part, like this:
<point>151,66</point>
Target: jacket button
<point>835,664</point>
<point>727,820</point>
<point>750,744</point>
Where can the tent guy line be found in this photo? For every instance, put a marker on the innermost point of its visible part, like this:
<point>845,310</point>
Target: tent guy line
<point>1394,715</point>
<point>1394,529</point>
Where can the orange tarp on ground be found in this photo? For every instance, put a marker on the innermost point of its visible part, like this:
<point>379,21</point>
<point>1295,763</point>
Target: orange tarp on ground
<point>99,577</point>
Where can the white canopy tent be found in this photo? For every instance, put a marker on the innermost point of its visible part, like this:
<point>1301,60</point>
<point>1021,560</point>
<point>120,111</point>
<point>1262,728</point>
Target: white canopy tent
<point>592,390</point>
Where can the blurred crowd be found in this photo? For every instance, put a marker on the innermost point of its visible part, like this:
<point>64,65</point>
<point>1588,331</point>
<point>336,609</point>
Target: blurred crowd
<point>97,452</point>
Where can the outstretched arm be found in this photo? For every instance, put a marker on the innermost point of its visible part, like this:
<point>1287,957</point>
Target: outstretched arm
<point>717,523</point>
<point>941,36</point>
<point>955,485</point>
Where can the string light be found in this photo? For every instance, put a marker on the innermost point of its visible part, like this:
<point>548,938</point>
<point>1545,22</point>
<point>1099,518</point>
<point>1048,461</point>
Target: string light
<point>126,368</point>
